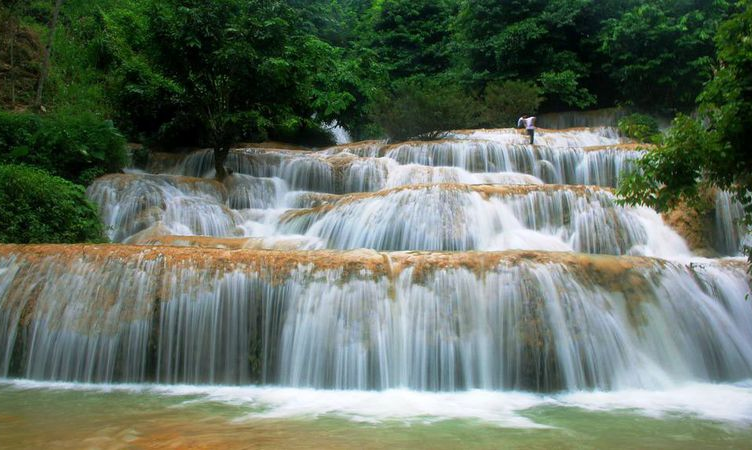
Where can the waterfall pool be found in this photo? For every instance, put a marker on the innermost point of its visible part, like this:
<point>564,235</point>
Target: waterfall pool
<point>69,415</point>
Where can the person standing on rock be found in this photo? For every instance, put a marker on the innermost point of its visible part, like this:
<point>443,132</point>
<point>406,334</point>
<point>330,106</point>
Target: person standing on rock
<point>529,123</point>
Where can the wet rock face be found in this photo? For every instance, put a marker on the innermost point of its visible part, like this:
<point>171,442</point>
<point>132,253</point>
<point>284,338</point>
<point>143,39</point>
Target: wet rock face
<point>694,226</point>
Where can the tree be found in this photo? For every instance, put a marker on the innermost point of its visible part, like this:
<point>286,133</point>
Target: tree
<point>223,56</point>
<point>78,147</point>
<point>712,149</point>
<point>12,58</point>
<point>333,22</point>
<point>641,127</point>
<point>218,72</point>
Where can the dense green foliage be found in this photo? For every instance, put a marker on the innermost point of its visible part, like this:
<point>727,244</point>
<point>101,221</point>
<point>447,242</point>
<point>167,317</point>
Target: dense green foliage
<point>427,108</point>
<point>504,102</point>
<point>38,207</point>
<point>282,68</point>
<point>538,41</point>
<point>191,72</point>
<point>213,73</point>
<point>19,51</point>
<point>77,147</point>
<point>712,149</point>
<point>414,110</point>
<point>659,54</point>
<point>640,127</point>
<point>411,37</point>
<point>672,172</point>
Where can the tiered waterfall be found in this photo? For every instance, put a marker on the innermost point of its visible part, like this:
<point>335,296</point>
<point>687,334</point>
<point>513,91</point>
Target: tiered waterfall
<point>474,262</point>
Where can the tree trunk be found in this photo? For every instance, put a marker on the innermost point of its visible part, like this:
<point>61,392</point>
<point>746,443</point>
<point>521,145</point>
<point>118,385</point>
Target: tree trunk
<point>220,156</point>
<point>12,70</point>
<point>47,52</point>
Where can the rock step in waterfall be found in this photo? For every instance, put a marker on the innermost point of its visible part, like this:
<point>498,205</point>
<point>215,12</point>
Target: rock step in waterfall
<point>451,217</point>
<point>537,321</point>
<point>477,262</point>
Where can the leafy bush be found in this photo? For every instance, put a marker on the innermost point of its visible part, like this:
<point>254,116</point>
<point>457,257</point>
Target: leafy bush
<point>505,102</point>
<point>423,109</point>
<point>640,127</point>
<point>38,207</point>
<point>77,147</point>
<point>667,175</point>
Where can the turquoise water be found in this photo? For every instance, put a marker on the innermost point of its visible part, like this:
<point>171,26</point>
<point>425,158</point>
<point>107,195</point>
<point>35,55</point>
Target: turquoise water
<point>51,415</point>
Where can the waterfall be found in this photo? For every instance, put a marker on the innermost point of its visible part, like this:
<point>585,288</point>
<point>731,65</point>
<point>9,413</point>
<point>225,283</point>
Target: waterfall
<point>300,170</point>
<point>458,217</point>
<point>247,192</point>
<point>731,235</point>
<point>341,136</point>
<point>474,262</point>
<point>573,137</point>
<point>536,321</point>
<point>80,319</point>
<point>454,217</point>
<point>133,203</point>
<point>370,166</point>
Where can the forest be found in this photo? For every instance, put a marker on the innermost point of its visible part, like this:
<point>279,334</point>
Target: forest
<point>80,78</point>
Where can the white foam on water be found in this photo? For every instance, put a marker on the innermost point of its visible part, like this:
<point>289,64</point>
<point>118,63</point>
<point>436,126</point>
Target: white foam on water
<point>662,240</point>
<point>341,136</point>
<point>524,239</point>
<point>583,137</point>
<point>717,402</point>
<point>727,403</point>
<point>498,408</point>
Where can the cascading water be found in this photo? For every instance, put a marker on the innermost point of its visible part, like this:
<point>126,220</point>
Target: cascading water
<point>366,320</point>
<point>487,217</point>
<point>730,236</point>
<point>369,167</point>
<point>473,263</point>
<point>132,203</point>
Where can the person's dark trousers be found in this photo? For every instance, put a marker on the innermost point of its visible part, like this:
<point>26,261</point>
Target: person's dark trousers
<point>531,132</point>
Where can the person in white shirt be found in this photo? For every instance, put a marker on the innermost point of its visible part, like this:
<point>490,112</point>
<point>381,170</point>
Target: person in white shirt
<point>529,123</point>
